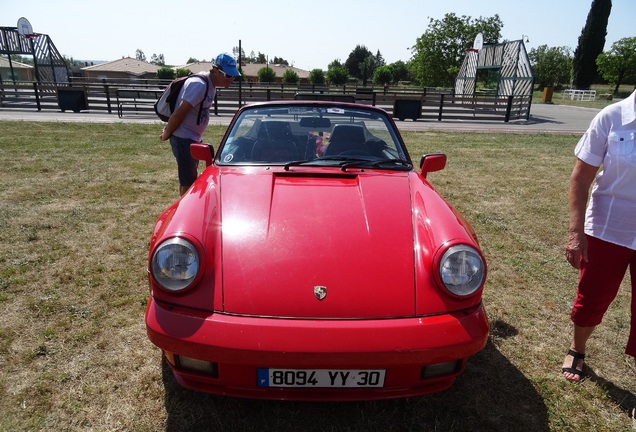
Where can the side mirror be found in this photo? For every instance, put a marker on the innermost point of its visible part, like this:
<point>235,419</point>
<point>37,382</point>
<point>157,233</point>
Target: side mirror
<point>432,162</point>
<point>202,152</point>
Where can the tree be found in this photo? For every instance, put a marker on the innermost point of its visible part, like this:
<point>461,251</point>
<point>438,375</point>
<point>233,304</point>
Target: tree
<point>192,60</point>
<point>400,71</point>
<point>237,54</point>
<point>261,58</point>
<point>158,60</point>
<point>551,66</point>
<point>266,75</point>
<point>139,55</point>
<point>317,76</point>
<point>379,60</point>
<point>337,74</point>
<point>618,65</point>
<point>356,61</point>
<point>69,60</point>
<point>182,72</point>
<point>440,51</point>
<point>280,61</point>
<point>290,77</point>
<point>251,58</point>
<point>383,75</point>
<point>367,68</point>
<point>591,43</point>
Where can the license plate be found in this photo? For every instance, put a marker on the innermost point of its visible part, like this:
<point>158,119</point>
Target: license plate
<point>321,378</point>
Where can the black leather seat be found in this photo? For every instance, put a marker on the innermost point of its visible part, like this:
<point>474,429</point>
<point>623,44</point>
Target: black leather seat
<point>346,138</point>
<point>274,150</point>
<point>274,129</point>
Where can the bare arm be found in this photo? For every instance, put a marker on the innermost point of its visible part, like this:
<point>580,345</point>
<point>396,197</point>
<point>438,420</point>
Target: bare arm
<point>175,120</point>
<point>580,182</point>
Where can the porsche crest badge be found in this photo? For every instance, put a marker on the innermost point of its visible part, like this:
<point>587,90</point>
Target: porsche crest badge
<point>320,292</point>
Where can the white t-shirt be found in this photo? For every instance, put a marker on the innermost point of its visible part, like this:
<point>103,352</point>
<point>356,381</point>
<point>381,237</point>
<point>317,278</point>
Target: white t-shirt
<point>193,92</point>
<point>610,141</point>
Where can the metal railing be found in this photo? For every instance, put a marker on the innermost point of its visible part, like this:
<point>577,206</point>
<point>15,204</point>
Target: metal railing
<point>113,95</point>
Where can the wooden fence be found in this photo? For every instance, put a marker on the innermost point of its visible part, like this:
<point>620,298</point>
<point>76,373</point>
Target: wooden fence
<point>125,98</point>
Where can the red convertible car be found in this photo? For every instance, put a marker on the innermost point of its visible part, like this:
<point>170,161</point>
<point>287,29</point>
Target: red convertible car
<point>311,261</point>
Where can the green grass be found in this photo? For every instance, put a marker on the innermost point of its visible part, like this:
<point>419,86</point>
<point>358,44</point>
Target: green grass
<point>77,205</point>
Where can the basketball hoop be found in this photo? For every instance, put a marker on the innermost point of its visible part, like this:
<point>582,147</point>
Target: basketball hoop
<point>478,43</point>
<point>25,29</point>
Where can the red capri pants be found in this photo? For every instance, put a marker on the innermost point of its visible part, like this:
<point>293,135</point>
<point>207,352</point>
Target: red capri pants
<point>599,281</point>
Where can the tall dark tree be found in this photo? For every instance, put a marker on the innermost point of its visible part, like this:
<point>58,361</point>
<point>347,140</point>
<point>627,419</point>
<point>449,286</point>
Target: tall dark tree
<point>367,68</point>
<point>379,60</point>
<point>358,61</point>
<point>591,43</point>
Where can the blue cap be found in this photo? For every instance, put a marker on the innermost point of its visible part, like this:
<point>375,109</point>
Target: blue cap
<point>227,64</point>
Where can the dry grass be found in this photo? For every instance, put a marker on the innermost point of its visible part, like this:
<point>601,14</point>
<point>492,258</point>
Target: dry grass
<point>78,201</point>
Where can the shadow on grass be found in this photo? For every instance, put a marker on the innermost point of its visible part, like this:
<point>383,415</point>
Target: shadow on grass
<point>491,395</point>
<point>624,398</point>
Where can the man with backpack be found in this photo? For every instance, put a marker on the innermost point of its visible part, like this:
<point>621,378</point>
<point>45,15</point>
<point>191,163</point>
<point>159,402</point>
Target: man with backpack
<point>192,114</point>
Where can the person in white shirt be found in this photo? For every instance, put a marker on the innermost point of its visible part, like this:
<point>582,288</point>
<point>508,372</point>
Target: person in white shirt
<point>602,233</point>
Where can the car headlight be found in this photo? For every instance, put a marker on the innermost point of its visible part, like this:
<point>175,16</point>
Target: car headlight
<point>175,264</point>
<point>462,270</point>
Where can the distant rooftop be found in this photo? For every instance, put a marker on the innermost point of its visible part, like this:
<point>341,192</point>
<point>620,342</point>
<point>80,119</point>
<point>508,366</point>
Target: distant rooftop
<point>249,69</point>
<point>125,64</point>
<point>4,63</point>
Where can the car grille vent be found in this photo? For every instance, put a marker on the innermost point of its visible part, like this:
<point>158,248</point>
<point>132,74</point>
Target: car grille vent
<point>341,175</point>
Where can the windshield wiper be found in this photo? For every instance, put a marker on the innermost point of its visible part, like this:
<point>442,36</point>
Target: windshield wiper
<point>342,159</point>
<point>388,163</point>
<point>298,162</point>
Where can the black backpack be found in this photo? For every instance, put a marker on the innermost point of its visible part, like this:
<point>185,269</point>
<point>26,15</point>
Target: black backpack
<point>165,105</point>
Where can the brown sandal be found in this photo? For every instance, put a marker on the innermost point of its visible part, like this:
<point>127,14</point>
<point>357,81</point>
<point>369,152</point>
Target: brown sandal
<point>577,359</point>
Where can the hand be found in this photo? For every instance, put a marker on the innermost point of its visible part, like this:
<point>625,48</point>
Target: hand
<point>163,136</point>
<point>576,248</point>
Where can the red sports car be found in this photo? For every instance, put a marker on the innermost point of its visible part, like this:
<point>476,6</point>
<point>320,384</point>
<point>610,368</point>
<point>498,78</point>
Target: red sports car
<point>311,261</point>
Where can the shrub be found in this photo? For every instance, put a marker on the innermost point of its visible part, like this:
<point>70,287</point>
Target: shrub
<point>290,77</point>
<point>337,75</point>
<point>165,72</point>
<point>183,72</point>
<point>383,75</point>
<point>317,76</point>
<point>266,74</point>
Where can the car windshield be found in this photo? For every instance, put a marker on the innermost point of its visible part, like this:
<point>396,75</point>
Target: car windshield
<point>314,134</point>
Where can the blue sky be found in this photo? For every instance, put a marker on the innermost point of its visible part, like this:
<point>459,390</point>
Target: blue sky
<point>307,37</point>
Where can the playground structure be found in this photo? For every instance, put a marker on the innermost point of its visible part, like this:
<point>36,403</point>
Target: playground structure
<point>506,65</point>
<point>49,65</point>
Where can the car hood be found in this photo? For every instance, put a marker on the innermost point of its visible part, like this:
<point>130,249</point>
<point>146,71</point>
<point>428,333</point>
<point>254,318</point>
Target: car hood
<point>317,245</point>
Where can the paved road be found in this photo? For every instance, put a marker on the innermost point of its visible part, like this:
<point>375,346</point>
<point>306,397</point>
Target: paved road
<point>544,118</point>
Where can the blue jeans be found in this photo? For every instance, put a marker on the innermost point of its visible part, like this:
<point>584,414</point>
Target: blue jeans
<point>186,164</point>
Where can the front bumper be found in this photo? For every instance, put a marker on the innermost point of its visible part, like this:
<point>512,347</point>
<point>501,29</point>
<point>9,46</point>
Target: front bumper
<point>238,345</point>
